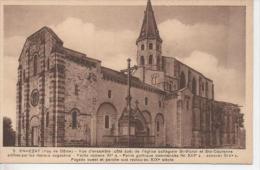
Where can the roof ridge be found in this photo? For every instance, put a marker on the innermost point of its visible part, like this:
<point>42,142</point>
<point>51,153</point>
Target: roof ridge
<point>201,74</point>
<point>47,29</point>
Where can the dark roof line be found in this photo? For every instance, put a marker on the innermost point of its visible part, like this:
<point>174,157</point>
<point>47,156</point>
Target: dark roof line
<point>65,48</point>
<point>135,82</point>
<point>83,54</point>
<point>49,30</point>
<point>228,103</point>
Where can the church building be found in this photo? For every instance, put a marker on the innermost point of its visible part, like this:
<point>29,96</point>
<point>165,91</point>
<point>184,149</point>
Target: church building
<point>68,99</point>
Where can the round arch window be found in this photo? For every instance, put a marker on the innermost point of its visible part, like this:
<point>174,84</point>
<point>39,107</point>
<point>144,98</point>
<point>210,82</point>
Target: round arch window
<point>35,97</point>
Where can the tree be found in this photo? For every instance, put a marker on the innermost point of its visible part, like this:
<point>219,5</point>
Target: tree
<point>9,133</point>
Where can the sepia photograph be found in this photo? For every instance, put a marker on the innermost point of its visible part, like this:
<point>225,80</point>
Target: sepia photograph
<point>146,75</point>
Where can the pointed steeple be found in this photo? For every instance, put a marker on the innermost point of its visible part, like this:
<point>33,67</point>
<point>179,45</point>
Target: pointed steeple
<point>149,27</point>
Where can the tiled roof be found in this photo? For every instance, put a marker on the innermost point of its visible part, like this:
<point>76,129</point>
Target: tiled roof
<point>120,77</point>
<point>75,56</point>
<point>149,26</point>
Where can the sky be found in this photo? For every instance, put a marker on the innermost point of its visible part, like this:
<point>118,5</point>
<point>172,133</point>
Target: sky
<point>211,39</point>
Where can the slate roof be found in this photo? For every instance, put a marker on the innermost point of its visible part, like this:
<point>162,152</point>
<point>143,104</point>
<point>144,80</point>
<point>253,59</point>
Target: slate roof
<point>149,27</point>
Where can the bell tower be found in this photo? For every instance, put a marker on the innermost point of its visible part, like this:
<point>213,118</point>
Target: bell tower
<point>149,42</point>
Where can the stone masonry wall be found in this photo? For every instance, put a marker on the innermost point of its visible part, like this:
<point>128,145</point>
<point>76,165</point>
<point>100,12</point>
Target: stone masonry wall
<point>119,93</point>
<point>80,93</point>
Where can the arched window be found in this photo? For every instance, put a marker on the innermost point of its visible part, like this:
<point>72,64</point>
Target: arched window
<point>109,93</point>
<point>74,119</point>
<point>182,80</point>
<point>106,121</point>
<point>35,65</point>
<point>35,97</point>
<point>142,60</point>
<point>159,122</point>
<point>207,88</point>
<point>150,46</point>
<point>76,90</point>
<point>142,47</point>
<point>158,61</point>
<point>146,101</point>
<point>194,86</point>
<point>187,104</point>
<point>151,59</point>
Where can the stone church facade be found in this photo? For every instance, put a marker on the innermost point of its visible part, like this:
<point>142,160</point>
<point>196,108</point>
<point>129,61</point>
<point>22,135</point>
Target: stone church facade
<point>67,99</point>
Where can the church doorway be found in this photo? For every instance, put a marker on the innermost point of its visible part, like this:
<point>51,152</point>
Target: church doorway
<point>35,131</point>
<point>88,136</point>
<point>159,130</point>
<point>140,129</point>
<point>106,121</point>
<point>35,136</point>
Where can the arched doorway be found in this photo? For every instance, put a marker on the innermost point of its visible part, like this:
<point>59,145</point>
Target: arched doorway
<point>88,136</point>
<point>35,131</point>
<point>106,123</point>
<point>148,121</point>
<point>159,129</point>
<point>140,129</point>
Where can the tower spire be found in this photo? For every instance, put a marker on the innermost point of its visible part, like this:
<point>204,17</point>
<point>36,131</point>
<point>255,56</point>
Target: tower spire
<point>149,28</point>
<point>149,44</point>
